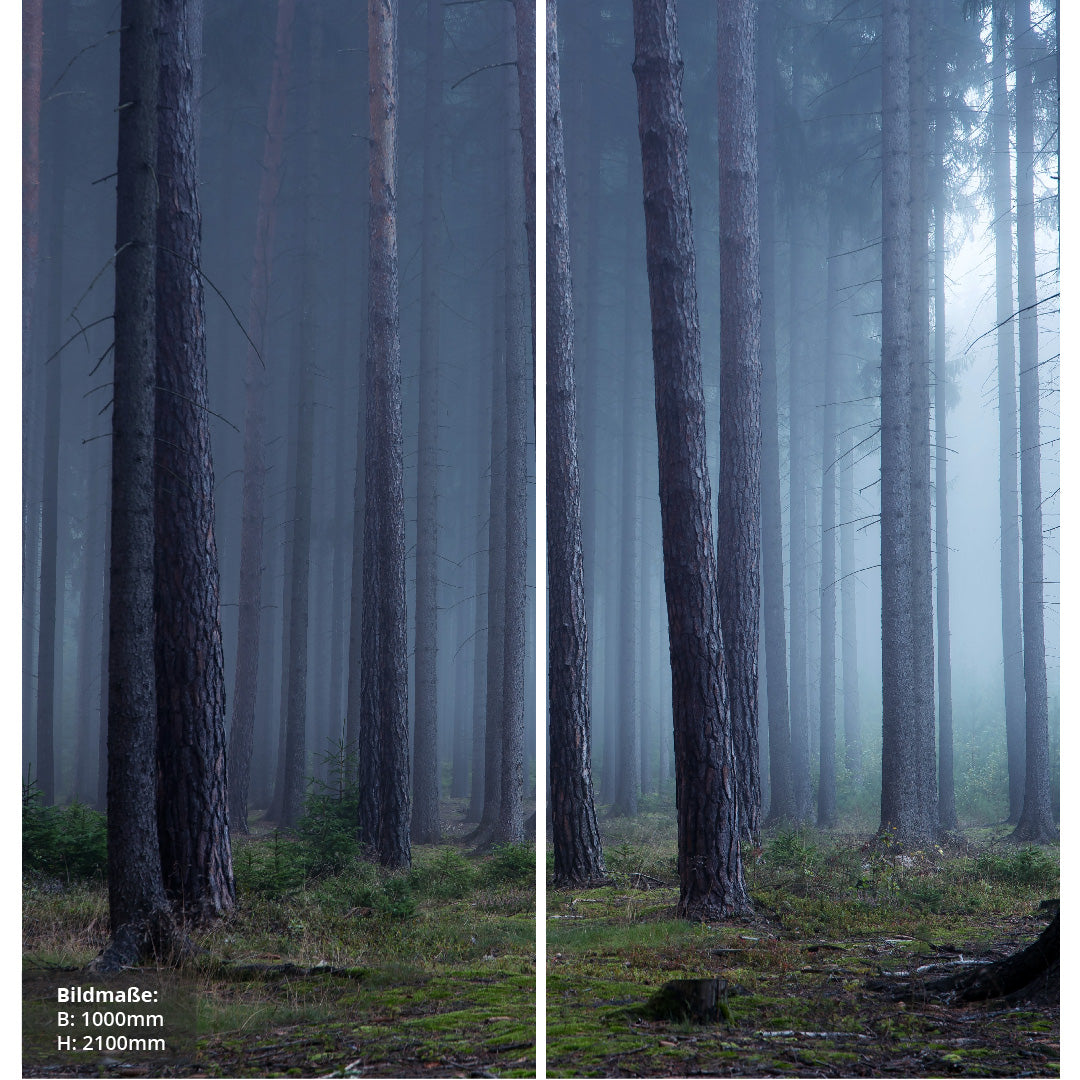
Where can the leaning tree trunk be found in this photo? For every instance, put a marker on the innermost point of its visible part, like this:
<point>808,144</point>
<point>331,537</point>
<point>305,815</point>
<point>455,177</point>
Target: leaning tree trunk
<point>739,497</point>
<point>140,919</point>
<point>1036,819</point>
<point>245,686</point>
<point>386,665</point>
<point>710,863</point>
<point>1012,645</point>
<point>425,814</point>
<point>192,804</point>
<point>781,802</point>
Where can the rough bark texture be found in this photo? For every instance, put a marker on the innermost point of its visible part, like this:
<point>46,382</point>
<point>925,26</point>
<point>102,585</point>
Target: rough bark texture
<point>192,804</point>
<point>946,787</point>
<point>425,812</point>
<point>826,806</point>
<point>1036,822</point>
<point>709,858</point>
<point>245,687</point>
<point>518,419</point>
<point>385,669</point>
<point>922,601</point>
<point>140,918</point>
<point>1012,645</point>
<point>781,804</point>
<point>900,810</point>
<point>739,495</point>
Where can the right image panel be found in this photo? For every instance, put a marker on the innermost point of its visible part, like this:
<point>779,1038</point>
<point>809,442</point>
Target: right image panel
<point>802,520</point>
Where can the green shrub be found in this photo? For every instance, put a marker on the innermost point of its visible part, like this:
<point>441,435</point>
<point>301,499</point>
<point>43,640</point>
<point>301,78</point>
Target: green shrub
<point>327,833</point>
<point>447,875</point>
<point>511,864</point>
<point>1028,866</point>
<point>269,867</point>
<point>68,843</point>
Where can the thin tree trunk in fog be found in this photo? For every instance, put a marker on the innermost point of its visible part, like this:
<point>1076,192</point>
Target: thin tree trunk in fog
<point>629,602</point>
<point>1012,645</point>
<point>384,674</point>
<point>464,704</point>
<point>525,51</point>
<point>425,819</point>
<point>496,585</point>
<point>245,689</point>
<point>900,809</point>
<point>192,804</point>
<point>140,919</point>
<point>579,854</point>
<point>849,637</point>
<point>479,652</point>
<point>32,51</point>
<point>781,800</point>
<point>946,792</point>
<point>710,864</point>
<point>921,552</point>
<point>739,497</point>
<point>300,569</point>
<point>1036,822</point>
<point>518,414</point>
<point>102,800</point>
<point>826,807</point>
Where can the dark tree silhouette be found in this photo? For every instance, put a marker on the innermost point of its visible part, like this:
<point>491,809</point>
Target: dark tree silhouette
<point>579,855</point>
<point>192,806</point>
<point>140,918</point>
<point>710,863</point>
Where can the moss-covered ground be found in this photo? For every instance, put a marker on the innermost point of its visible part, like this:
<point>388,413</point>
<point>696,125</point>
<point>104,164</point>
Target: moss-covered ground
<point>330,966</point>
<point>834,914</point>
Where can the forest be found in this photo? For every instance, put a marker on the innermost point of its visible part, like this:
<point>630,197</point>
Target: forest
<point>817,542</point>
<point>278,538</point>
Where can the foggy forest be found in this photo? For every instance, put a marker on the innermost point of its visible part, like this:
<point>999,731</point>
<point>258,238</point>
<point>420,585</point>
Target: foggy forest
<point>795,793</point>
<point>819,536</point>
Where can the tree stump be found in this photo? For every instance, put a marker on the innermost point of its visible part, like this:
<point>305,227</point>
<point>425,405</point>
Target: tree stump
<point>700,1001</point>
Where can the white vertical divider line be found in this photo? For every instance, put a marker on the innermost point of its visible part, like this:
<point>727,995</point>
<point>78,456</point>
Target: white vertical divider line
<point>540,361</point>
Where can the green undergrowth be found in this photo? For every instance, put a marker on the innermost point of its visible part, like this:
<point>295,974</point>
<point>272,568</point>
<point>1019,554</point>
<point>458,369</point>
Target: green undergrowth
<point>832,912</point>
<point>329,961</point>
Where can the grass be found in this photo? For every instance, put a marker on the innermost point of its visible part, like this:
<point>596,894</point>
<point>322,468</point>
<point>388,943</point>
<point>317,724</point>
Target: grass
<point>430,970</point>
<point>832,912</point>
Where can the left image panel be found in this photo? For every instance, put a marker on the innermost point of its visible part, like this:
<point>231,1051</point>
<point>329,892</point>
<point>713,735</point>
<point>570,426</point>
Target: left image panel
<point>278,538</point>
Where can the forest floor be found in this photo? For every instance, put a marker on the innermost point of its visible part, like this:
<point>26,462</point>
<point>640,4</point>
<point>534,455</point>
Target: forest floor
<point>834,915</point>
<point>329,966</point>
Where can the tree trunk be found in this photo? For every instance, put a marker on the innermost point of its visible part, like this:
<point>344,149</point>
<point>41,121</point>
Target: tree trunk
<point>826,807</point>
<point>140,919</point>
<point>1036,822</point>
<point>245,692</point>
<point>781,804</point>
<point>900,809</point>
<point>305,346</point>
<point>1012,645</point>
<point>192,804</point>
<point>739,496</point>
<point>710,863</point>
<point>922,602</point>
<point>425,819</point>
<point>518,414</point>
<point>946,790</point>
<point>385,672</point>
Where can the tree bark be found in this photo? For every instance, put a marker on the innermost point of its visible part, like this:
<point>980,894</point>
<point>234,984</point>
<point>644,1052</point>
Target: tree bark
<point>1036,822</point>
<point>385,671</point>
<point>140,919</point>
<point>739,496</point>
<point>710,864</point>
<point>245,687</point>
<point>1012,645</point>
<point>192,803</point>
<point>425,814</point>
